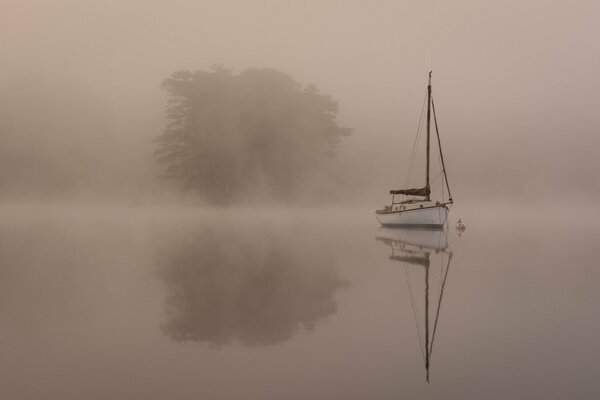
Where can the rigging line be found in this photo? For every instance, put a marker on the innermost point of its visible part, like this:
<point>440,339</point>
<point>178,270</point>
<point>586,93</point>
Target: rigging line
<point>440,164</point>
<point>443,191</point>
<point>441,274</point>
<point>440,147</point>
<point>432,181</point>
<point>436,177</point>
<point>437,315</point>
<point>412,301</point>
<point>416,142</point>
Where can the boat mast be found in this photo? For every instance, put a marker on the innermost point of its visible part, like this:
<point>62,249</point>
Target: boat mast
<point>428,130</point>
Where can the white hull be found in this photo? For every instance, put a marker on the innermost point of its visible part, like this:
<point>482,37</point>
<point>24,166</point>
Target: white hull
<point>433,217</point>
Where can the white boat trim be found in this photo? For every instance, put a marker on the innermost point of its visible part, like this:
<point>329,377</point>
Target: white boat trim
<point>432,217</point>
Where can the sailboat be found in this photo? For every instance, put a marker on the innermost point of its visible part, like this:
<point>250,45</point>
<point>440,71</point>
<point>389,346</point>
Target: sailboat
<point>415,248</point>
<point>416,208</point>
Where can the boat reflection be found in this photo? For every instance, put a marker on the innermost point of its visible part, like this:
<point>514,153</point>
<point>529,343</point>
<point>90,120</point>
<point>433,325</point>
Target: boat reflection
<point>423,249</point>
<point>255,287</point>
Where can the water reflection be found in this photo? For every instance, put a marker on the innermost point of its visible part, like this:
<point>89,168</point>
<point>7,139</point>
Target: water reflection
<point>257,286</point>
<point>426,251</point>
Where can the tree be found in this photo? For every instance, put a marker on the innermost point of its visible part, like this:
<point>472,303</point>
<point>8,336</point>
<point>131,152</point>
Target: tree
<point>258,131</point>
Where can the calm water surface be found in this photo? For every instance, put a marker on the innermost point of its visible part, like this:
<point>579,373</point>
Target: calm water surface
<point>133,303</point>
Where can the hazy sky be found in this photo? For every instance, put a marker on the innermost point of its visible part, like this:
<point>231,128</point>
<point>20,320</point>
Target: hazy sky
<point>515,81</point>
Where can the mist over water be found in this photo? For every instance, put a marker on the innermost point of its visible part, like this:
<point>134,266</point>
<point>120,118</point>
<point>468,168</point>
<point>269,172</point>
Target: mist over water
<point>257,269</point>
<point>115,303</point>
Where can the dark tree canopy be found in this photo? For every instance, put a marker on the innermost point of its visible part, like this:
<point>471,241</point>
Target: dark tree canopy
<point>256,132</point>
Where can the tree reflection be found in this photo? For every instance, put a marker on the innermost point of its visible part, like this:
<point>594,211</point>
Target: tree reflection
<point>257,288</point>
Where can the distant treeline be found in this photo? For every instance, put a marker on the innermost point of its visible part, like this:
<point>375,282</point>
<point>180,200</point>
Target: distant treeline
<point>60,140</point>
<point>258,132</point>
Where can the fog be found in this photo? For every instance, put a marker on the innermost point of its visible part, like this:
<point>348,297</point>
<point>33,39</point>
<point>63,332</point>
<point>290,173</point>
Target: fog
<point>514,83</point>
<point>138,304</point>
<point>243,260</point>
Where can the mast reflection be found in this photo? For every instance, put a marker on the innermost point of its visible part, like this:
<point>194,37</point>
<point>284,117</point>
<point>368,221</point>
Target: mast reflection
<point>424,249</point>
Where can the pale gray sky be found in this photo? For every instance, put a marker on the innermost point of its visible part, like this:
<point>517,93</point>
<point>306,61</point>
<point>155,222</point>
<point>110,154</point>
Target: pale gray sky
<point>515,81</point>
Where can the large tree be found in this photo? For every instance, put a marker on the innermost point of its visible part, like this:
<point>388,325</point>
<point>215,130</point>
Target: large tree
<point>257,131</point>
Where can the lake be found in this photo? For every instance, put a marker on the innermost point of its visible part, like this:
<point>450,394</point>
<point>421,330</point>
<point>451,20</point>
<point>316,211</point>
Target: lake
<point>143,303</point>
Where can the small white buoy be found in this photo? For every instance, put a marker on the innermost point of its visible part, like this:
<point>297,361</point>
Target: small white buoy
<point>460,226</point>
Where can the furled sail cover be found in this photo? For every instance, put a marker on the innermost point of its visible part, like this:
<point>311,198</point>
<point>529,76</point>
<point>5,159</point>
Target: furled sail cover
<point>425,191</point>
